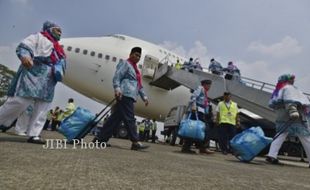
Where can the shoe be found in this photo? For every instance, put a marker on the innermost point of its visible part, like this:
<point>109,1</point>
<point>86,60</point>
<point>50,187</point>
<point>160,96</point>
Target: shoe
<point>22,134</point>
<point>206,151</point>
<point>36,140</point>
<point>188,151</point>
<point>101,141</point>
<point>272,160</point>
<point>138,146</point>
<point>4,128</point>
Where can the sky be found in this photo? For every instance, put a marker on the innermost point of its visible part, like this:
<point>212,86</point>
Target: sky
<point>264,38</point>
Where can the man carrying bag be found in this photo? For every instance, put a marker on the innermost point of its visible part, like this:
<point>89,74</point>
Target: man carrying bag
<point>199,104</point>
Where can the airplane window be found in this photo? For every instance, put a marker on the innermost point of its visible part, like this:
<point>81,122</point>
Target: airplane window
<point>62,46</point>
<point>92,53</point>
<point>69,48</point>
<point>77,50</point>
<point>140,66</point>
<point>165,52</point>
<point>85,51</point>
<point>100,55</point>
<point>121,60</point>
<point>114,59</point>
<point>160,51</point>
<point>107,57</point>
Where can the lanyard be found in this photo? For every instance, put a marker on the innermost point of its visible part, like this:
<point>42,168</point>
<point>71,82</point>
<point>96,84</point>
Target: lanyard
<point>228,108</point>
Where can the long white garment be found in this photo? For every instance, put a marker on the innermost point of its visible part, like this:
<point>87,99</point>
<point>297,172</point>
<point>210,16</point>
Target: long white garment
<point>276,145</point>
<point>15,106</point>
<point>22,123</point>
<point>38,118</point>
<point>12,108</point>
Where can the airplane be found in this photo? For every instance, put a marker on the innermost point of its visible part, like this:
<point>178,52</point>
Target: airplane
<point>91,63</point>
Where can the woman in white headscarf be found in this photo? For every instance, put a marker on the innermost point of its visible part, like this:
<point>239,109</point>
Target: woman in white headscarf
<point>35,81</point>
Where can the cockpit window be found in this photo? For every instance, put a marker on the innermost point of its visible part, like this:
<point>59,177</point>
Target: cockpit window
<point>77,50</point>
<point>92,53</point>
<point>85,51</point>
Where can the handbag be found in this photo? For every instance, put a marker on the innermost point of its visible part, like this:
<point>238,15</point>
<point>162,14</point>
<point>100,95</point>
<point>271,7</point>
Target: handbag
<point>59,70</point>
<point>194,129</point>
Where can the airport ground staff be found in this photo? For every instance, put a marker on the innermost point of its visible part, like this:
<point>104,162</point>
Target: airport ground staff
<point>178,65</point>
<point>141,127</point>
<point>127,83</point>
<point>48,120</point>
<point>292,108</point>
<point>154,129</point>
<point>34,82</point>
<point>227,119</point>
<point>70,108</point>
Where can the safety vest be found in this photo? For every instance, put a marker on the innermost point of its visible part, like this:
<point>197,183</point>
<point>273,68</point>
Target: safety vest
<point>141,127</point>
<point>154,126</point>
<point>228,114</point>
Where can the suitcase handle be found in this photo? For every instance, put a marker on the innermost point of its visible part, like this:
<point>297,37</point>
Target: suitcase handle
<point>93,122</point>
<point>98,115</point>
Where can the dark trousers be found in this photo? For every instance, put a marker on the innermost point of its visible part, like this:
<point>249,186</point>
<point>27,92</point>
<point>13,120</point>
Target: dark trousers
<point>124,111</point>
<point>226,133</point>
<point>47,122</point>
<point>141,135</point>
<point>199,144</point>
<point>153,136</point>
<point>146,135</point>
<point>54,125</point>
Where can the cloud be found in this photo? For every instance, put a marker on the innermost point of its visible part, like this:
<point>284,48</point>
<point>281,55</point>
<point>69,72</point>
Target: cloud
<point>174,47</point>
<point>199,50</point>
<point>287,47</point>
<point>266,72</point>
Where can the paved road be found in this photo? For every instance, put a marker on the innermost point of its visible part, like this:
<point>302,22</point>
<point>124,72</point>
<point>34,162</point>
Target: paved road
<point>30,166</point>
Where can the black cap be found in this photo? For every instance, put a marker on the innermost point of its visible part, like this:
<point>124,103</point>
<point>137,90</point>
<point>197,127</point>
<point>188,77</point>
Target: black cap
<point>206,81</point>
<point>136,49</point>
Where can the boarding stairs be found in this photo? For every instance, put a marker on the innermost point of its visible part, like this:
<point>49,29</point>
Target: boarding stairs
<point>252,95</point>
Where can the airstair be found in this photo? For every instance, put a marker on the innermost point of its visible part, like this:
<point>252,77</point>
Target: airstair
<point>249,94</point>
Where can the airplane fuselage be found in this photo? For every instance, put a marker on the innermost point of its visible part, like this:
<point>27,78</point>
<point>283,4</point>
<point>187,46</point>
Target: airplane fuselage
<point>91,64</point>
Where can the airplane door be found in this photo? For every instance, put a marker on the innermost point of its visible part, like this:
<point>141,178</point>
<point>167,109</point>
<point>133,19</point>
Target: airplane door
<point>149,66</point>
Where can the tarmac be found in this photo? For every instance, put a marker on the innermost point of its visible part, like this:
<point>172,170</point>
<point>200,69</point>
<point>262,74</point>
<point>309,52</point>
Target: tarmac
<point>71,167</point>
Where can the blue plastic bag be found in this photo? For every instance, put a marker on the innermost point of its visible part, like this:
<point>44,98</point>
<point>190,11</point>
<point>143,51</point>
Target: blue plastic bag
<point>194,129</point>
<point>59,70</point>
<point>249,143</point>
<point>71,126</point>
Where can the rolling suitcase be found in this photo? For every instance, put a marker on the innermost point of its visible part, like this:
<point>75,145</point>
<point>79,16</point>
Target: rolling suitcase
<point>81,122</point>
<point>248,144</point>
